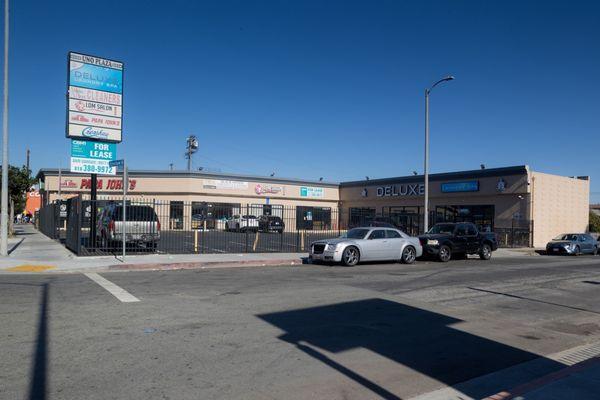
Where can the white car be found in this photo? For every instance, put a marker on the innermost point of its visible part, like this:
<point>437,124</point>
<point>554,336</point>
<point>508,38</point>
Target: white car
<point>242,223</point>
<point>367,244</point>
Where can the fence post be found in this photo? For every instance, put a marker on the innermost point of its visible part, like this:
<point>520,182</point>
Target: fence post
<point>246,230</point>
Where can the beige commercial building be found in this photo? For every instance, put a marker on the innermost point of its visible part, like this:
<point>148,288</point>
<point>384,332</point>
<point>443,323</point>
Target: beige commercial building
<point>515,202</point>
<point>523,206</point>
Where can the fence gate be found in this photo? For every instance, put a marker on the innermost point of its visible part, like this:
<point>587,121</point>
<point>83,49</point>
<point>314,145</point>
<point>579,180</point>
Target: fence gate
<point>73,234</point>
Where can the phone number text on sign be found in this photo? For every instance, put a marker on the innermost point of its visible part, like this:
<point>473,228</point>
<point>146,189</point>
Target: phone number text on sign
<point>92,166</point>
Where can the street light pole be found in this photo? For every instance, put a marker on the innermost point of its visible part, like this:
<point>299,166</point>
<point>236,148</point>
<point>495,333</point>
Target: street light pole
<point>426,162</point>
<point>4,196</point>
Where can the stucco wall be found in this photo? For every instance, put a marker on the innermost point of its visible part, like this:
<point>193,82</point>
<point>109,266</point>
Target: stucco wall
<point>560,205</point>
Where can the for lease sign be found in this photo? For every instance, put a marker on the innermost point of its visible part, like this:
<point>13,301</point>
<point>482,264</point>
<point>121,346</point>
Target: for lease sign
<point>95,98</point>
<point>93,157</point>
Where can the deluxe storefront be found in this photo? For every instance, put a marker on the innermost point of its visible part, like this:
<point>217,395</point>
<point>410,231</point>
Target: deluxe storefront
<point>182,197</point>
<point>504,200</point>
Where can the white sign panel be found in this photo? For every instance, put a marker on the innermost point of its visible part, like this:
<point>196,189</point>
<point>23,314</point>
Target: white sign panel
<point>92,107</point>
<point>95,95</point>
<point>94,133</point>
<point>95,120</point>
<point>224,184</point>
<point>101,62</point>
<point>92,166</point>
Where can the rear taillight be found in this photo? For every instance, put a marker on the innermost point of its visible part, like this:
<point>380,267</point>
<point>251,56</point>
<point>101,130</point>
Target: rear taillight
<point>111,226</point>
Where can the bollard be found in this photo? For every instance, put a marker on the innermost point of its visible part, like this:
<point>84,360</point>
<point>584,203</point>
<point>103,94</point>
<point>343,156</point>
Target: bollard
<point>302,240</point>
<point>196,240</point>
<point>255,241</point>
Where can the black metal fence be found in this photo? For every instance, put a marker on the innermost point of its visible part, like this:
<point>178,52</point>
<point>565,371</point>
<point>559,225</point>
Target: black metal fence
<point>177,227</point>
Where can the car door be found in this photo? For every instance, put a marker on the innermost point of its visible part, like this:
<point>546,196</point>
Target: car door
<point>374,246</point>
<point>587,245</point>
<point>472,238</point>
<point>394,244</point>
<point>459,242</point>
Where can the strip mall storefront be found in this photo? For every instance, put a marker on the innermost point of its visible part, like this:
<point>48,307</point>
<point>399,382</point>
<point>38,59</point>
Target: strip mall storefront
<point>503,200</point>
<point>182,195</point>
<point>498,199</point>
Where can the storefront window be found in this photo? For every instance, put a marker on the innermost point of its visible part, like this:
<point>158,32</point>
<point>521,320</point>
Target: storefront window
<point>480,215</point>
<point>360,216</point>
<point>176,214</point>
<point>313,218</point>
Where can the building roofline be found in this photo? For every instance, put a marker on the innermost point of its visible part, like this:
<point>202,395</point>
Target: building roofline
<point>196,174</point>
<point>445,176</point>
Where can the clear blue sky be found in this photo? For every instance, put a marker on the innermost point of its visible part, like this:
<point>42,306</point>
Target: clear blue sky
<point>322,88</point>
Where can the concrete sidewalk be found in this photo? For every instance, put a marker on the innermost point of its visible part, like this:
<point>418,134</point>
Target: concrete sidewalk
<point>32,251</point>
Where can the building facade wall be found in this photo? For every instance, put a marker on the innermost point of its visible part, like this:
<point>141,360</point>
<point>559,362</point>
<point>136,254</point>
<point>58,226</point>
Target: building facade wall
<point>560,205</point>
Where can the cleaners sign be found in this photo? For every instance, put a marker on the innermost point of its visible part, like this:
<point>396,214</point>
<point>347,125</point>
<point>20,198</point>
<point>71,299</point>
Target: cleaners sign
<point>93,157</point>
<point>95,90</point>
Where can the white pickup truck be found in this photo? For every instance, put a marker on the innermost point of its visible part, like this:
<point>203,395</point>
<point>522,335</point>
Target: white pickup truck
<point>242,223</point>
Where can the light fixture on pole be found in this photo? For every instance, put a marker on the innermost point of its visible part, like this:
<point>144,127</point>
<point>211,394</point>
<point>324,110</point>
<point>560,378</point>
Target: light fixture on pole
<point>426,166</point>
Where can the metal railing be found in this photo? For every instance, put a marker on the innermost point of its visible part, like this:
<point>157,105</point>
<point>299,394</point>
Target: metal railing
<point>177,227</point>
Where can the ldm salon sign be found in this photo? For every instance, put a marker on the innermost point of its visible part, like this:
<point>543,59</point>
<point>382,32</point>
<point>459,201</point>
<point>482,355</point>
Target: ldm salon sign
<point>416,189</point>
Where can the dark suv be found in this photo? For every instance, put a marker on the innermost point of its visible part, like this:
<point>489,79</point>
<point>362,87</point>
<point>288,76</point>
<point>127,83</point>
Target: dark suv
<point>270,223</point>
<point>447,239</point>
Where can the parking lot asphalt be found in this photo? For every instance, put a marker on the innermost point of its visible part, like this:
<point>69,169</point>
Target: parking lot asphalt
<point>219,242</point>
<point>386,331</point>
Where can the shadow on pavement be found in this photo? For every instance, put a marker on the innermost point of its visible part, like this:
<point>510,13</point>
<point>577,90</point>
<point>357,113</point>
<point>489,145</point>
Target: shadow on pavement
<point>421,340</point>
<point>39,370</point>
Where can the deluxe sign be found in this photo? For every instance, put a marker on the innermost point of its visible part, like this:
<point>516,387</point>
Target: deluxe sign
<point>93,157</point>
<point>416,189</point>
<point>94,98</point>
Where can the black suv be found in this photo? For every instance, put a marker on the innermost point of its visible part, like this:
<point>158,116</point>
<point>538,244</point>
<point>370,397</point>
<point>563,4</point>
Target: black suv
<point>447,239</point>
<point>270,223</point>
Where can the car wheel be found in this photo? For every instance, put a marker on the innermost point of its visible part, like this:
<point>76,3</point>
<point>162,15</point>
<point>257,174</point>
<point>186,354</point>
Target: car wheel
<point>409,255</point>
<point>577,251</point>
<point>445,254</point>
<point>351,256</point>
<point>485,253</point>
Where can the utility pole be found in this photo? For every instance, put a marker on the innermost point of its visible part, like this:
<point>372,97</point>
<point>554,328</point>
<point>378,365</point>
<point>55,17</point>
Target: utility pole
<point>192,147</point>
<point>27,162</point>
<point>4,196</point>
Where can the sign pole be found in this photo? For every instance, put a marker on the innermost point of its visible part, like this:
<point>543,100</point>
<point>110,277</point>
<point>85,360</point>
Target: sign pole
<point>4,195</point>
<point>93,208</point>
<point>125,184</point>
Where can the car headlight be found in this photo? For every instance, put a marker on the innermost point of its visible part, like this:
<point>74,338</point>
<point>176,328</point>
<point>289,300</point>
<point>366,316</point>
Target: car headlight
<point>331,247</point>
<point>433,242</point>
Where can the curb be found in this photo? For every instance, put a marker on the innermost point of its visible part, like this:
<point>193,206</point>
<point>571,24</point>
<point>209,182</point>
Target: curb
<point>544,380</point>
<point>203,265</point>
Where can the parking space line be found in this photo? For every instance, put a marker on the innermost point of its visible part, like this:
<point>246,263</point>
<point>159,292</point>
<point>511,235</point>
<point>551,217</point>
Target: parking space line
<point>117,291</point>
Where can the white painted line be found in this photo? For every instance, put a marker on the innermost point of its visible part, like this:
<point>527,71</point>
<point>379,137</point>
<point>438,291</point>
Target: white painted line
<point>123,295</point>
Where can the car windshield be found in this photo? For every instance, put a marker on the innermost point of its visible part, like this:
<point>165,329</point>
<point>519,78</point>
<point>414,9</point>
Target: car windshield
<point>135,213</point>
<point>442,228</point>
<point>356,233</point>
<point>567,236</point>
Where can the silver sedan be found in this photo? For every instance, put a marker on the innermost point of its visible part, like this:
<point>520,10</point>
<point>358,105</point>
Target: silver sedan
<point>367,244</point>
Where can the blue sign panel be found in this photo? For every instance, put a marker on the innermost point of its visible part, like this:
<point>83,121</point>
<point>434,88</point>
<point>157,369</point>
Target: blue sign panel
<point>454,187</point>
<point>95,77</point>
<point>95,150</point>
